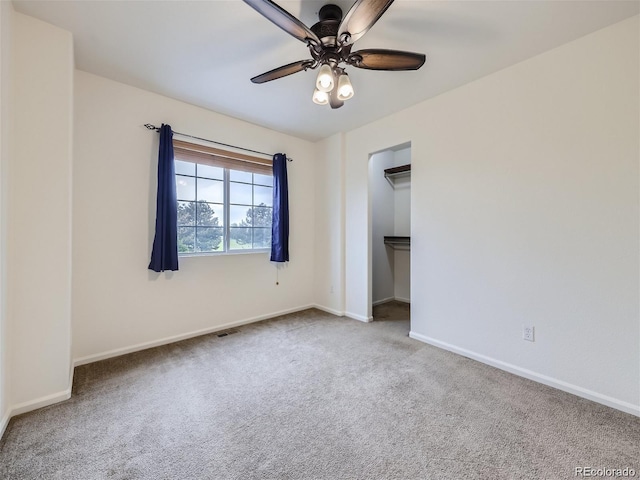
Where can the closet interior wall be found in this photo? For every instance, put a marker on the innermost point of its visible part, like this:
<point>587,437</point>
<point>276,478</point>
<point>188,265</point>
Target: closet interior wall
<point>390,216</point>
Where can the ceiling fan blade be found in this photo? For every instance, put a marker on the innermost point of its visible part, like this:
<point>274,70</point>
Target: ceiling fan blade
<point>380,59</point>
<point>361,17</point>
<point>334,101</point>
<point>284,20</point>
<point>283,71</point>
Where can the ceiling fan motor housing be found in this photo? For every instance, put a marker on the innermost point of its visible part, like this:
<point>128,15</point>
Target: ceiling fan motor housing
<point>327,28</point>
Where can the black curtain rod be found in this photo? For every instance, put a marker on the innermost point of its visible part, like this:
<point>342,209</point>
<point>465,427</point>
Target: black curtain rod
<point>156,129</point>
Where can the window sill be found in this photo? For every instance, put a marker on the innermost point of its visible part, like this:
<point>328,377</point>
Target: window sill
<point>230,253</point>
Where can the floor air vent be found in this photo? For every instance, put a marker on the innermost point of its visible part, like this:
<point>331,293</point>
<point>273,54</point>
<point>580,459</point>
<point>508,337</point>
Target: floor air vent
<point>224,333</point>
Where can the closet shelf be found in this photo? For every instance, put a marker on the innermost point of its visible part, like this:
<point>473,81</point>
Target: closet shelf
<point>398,242</point>
<point>390,174</point>
<point>397,171</point>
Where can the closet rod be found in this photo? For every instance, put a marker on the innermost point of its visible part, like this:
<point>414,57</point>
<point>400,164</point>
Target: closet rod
<point>156,129</point>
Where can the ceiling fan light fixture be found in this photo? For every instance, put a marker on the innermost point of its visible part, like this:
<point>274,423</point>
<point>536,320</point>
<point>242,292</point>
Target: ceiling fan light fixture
<point>345,89</point>
<point>320,97</point>
<point>330,43</point>
<point>324,81</point>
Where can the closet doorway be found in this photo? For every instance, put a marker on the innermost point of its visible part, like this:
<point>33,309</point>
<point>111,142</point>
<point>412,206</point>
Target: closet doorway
<point>390,187</point>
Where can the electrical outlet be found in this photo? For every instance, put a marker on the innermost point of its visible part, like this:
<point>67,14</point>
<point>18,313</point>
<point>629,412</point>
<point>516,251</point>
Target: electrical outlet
<point>528,332</point>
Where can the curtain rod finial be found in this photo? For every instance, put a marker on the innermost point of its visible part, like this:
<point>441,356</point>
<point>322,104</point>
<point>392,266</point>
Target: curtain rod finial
<point>151,127</point>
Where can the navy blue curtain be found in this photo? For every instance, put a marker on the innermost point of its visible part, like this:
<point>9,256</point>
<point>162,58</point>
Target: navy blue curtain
<point>165,243</point>
<point>280,221</point>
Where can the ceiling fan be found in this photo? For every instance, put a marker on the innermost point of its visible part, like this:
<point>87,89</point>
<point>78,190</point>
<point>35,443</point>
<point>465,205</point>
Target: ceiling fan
<point>330,42</point>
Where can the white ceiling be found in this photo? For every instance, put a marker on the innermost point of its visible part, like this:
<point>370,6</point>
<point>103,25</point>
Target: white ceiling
<point>205,52</point>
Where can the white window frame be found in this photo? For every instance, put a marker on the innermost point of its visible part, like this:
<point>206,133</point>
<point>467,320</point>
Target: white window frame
<point>226,207</point>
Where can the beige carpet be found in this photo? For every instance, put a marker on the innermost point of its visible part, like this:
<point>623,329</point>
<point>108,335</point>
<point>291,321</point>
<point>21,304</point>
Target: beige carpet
<point>313,396</point>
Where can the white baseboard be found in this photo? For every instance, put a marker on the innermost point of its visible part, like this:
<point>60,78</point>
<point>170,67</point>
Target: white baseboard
<point>176,338</point>
<point>4,422</point>
<point>329,310</point>
<point>536,377</point>
<point>391,299</point>
<point>361,318</point>
<point>41,402</point>
<point>384,300</point>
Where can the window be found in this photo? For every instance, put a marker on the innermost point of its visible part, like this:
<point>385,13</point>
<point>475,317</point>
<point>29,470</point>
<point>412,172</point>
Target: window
<point>224,200</point>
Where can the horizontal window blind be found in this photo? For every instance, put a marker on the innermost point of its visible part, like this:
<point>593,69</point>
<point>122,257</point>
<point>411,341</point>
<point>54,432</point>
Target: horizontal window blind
<point>214,157</point>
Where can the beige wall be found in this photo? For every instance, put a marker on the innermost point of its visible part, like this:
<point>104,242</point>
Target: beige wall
<point>39,214</point>
<point>329,285</point>
<point>524,209</point>
<point>6,12</point>
<point>118,304</point>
